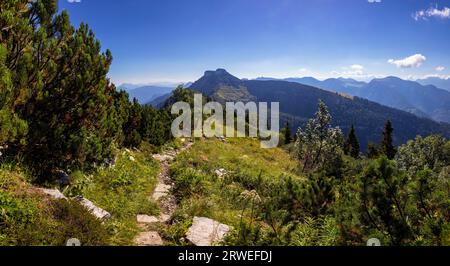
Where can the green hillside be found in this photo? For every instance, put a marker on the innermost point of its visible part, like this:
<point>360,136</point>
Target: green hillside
<point>298,103</point>
<point>268,200</point>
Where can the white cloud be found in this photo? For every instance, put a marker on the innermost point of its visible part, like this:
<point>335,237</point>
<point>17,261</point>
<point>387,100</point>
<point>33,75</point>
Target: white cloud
<point>357,67</point>
<point>443,13</point>
<point>350,71</point>
<point>74,1</point>
<point>413,61</point>
<point>374,1</point>
<point>440,68</point>
<point>430,76</point>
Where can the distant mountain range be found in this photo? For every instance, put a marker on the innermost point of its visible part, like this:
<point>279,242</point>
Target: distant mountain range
<point>166,84</point>
<point>298,103</point>
<point>160,101</point>
<point>438,82</point>
<point>146,94</point>
<point>422,100</point>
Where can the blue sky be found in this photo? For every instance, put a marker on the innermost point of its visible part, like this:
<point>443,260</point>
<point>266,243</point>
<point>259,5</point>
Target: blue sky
<point>177,40</point>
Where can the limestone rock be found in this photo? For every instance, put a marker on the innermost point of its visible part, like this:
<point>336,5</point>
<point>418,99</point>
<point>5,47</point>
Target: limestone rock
<point>161,191</point>
<point>164,218</point>
<point>96,211</point>
<point>53,193</point>
<point>206,232</point>
<point>151,238</point>
<point>145,219</point>
<point>163,158</point>
<point>221,173</point>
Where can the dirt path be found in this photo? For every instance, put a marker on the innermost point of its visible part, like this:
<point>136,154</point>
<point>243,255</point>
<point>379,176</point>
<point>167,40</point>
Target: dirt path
<point>163,196</point>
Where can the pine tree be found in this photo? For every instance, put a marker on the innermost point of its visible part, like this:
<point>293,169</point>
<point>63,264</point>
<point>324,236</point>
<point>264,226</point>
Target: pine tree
<point>287,134</point>
<point>12,128</point>
<point>54,84</point>
<point>318,145</point>
<point>383,200</point>
<point>14,38</point>
<point>69,121</point>
<point>132,127</point>
<point>58,109</point>
<point>351,146</point>
<point>386,146</point>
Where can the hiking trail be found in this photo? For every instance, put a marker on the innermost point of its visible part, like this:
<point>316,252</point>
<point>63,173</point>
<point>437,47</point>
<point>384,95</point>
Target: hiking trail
<point>164,197</point>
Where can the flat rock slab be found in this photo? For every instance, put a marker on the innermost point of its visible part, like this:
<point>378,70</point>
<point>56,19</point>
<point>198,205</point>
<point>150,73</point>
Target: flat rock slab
<point>206,232</point>
<point>96,211</point>
<point>163,158</point>
<point>161,191</point>
<point>151,238</point>
<point>53,193</point>
<point>145,219</point>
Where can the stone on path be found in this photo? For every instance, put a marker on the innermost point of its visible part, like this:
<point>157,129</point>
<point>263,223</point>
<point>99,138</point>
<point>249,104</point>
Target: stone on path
<point>151,238</point>
<point>145,219</point>
<point>164,218</point>
<point>96,211</point>
<point>163,158</point>
<point>161,191</point>
<point>162,195</point>
<point>206,232</point>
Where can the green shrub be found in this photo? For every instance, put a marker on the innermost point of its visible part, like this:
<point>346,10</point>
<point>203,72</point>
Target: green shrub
<point>188,182</point>
<point>175,233</point>
<point>123,179</point>
<point>30,222</point>
<point>14,211</point>
<point>76,222</point>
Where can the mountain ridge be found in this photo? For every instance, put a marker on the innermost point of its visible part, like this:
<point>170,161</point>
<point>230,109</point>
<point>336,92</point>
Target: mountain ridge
<point>298,103</point>
<point>146,94</point>
<point>423,100</point>
<point>441,83</point>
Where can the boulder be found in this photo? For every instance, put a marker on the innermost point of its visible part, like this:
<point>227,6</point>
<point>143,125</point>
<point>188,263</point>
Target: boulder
<point>207,232</point>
